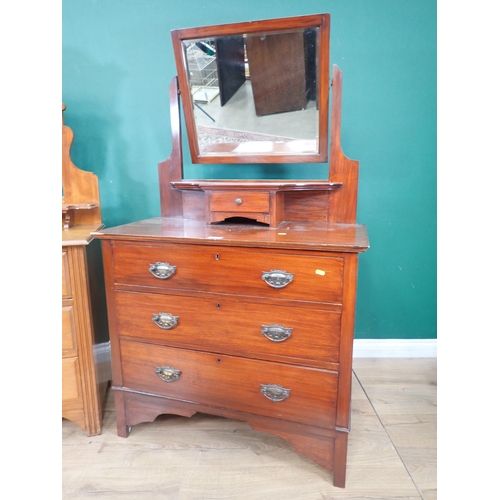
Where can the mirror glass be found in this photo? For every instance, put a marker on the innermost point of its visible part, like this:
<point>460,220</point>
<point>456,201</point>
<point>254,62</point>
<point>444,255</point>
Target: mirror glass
<point>254,96</point>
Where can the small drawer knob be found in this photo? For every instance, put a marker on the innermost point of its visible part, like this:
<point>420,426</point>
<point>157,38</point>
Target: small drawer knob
<point>238,201</point>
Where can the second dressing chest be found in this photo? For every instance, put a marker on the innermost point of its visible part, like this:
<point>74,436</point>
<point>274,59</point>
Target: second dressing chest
<point>239,300</point>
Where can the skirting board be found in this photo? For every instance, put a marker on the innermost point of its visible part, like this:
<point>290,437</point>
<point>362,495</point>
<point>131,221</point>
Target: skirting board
<point>395,348</point>
<point>102,352</point>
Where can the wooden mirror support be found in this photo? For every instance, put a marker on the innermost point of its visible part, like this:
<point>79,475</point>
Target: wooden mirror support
<point>268,202</point>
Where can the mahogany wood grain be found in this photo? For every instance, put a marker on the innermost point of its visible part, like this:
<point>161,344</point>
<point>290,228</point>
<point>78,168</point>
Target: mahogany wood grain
<point>226,270</point>
<point>171,169</point>
<point>226,204</point>
<point>343,203</point>
<point>276,208</point>
<point>116,362</point>
<point>255,185</point>
<point>223,201</point>
<point>233,326</point>
<point>346,342</point>
<point>340,459</point>
<point>306,206</point>
<point>193,205</point>
<point>231,382</point>
<point>293,236</point>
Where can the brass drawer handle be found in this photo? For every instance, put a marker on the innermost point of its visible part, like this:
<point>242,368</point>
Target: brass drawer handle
<point>276,333</point>
<point>274,392</point>
<point>277,279</point>
<point>166,321</point>
<point>162,270</point>
<point>167,373</point>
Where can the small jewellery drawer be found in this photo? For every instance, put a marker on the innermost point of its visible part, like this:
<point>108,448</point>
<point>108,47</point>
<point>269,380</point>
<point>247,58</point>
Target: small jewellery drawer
<point>238,202</point>
<point>278,390</point>
<point>228,325</point>
<point>239,271</point>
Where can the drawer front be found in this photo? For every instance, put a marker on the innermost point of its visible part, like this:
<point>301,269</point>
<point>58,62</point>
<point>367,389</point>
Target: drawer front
<point>231,270</point>
<point>233,383</point>
<point>238,202</point>
<point>68,327</point>
<point>70,378</point>
<point>66,284</point>
<point>228,325</point>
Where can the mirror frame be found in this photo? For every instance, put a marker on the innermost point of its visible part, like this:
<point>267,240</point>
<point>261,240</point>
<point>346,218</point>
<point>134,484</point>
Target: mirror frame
<point>320,21</point>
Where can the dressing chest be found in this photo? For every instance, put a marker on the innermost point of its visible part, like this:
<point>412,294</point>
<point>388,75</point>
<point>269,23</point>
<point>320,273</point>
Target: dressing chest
<point>86,367</point>
<point>239,300</point>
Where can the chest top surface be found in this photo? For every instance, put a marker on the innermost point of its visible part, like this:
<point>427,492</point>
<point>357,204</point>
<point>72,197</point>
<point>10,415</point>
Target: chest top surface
<point>293,235</point>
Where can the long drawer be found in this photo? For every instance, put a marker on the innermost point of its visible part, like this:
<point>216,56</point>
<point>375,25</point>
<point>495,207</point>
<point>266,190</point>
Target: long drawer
<point>297,394</point>
<point>230,270</point>
<point>231,326</point>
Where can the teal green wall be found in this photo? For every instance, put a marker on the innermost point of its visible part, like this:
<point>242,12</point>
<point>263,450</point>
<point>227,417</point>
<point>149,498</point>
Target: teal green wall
<point>117,65</point>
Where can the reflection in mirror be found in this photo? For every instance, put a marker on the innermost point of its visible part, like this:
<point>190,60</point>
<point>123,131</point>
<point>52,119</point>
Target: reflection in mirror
<point>254,91</point>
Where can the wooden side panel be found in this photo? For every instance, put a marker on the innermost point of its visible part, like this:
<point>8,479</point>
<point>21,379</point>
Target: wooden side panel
<point>79,186</point>
<point>109,278</point>
<point>90,402</point>
<point>346,341</point>
<point>306,206</point>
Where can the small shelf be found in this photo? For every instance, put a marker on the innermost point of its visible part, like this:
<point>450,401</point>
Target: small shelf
<point>262,201</point>
<point>69,209</point>
<point>252,185</point>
